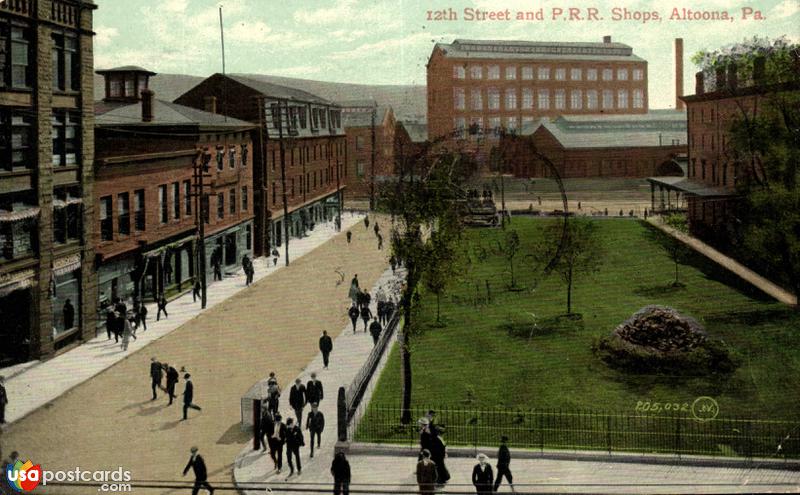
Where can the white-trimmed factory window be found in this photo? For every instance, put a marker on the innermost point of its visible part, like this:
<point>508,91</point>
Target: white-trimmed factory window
<point>493,72</point>
<point>622,98</point>
<point>543,73</point>
<point>459,99</point>
<point>591,74</point>
<point>575,74</point>
<point>561,74</point>
<point>576,99</point>
<point>493,98</point>
<point>622,74</point>
<point>608,74</point>
<point>527,73</point>
<point>511,72</point>
<point>638,98</point>
<point>476,72</point>
<point>511,99</point>
<point>527,99</point>
<point>560,99</point>
<point>477,99</point>
<point>459,72</point>
<point>544,99</point>
<point>638,74</point>
<point>591,99</point>
<point>608,99</point>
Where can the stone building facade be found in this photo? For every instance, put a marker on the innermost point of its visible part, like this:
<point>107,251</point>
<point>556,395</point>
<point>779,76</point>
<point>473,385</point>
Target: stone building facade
<point>46,178</point>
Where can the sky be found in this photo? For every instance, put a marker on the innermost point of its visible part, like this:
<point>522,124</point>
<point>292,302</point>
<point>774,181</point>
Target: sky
<point>389,42</point>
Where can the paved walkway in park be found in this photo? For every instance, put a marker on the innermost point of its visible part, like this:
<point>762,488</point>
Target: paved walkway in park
<point>350,351</point>
<point>730,264</point>
<point>109,421</point>
<point>40,382</point>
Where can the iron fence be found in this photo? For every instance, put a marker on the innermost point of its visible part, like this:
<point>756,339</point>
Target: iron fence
<point>589,430</point>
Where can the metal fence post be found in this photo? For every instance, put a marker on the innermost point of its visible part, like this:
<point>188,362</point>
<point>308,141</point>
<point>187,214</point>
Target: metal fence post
<point>678,436</point>
<point>608,433</point>
<point>341,409</point>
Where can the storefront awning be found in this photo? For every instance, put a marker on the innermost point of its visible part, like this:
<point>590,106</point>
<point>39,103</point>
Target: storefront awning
<point>172,245</point>
<point>66,265</point>
<point>60,203</point>
<point>17,215</point>
<point>16,281</point>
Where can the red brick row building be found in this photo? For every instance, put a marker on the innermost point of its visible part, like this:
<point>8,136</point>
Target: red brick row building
<point>147,152</point>
<point>299,153</point>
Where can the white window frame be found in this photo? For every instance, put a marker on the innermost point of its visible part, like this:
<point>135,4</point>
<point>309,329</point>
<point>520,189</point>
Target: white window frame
<point>608,99</point>
<point>493,72</point>
<point>608,74</point>
<point>561,74</point>
<point>576,99</point>
<point>527,98</point>
<point>543,99</point>
<point>543,73</point>
<point>511,72</point>
<point>560,99</point>
<point>527,73</point>
<point>476,72</point>
<point>622,74</point>
<point>493,99</point>
<point>591,74</point>
<point>459,99</point>
<point>576,74</point>
<point>638,74</point>
<point>459,72</point>
<point>592,99</point>
<point>511,99</point>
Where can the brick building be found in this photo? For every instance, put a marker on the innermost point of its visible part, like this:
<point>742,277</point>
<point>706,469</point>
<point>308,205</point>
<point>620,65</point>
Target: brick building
<point>511,84</point>
<point>713,171</point>
<point>599,146</point>
<point>303,129</point>
<point>46,177</point>
<point>365,123</point>
<point>147,151</point>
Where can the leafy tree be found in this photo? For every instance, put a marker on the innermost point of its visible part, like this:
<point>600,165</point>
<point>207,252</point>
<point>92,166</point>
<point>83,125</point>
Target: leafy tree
<point>765,147</point>
<point>441,265</point>
<point>423,203</point>
<point>576,251</point>
<point>676,249</point>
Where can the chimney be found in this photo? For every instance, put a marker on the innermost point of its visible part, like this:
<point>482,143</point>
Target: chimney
<point>679,105</point>
<point>759,70</point>
<point>147,105</point>
<point>699,83</point>
<point>733,77</point>
<point>720,73</point>
<point>606,39</point>
<point>210,104</point>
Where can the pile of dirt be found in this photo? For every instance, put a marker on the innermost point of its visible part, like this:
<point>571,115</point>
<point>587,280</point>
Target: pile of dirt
<point>662,329</point>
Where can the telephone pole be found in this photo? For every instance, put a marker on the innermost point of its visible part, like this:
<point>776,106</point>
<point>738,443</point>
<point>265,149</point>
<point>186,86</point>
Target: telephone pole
<point>201,164</point>
<point>372,182</point>
<point>281,107</point>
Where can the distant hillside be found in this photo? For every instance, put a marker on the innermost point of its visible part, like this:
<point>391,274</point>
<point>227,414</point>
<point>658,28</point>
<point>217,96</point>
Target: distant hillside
<point>409,102</point>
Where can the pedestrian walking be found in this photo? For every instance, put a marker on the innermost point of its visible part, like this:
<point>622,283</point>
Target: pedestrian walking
<point>297,399</point>
<point>388,310</point>
<point>294,440</point>
<point>314,392</point>
<point>156,373</point>
<point>503,463</point>
<point>3,400</point>
<point>482,476</point>
<point>275,256</point>
<point>216,263</point>
<point>426,474</point>
<point>127,332</point>
<point>380,242</point>
<point>266,427</point>
<point>377,229</point>
<point>315,423</point>
<point>367,297</point>
<point>111,324</point>
<point>438,452</point>
<point>198,465</point>
<point>249,271</point>
<point>273,393</point>
<point>366,314</point>
<point>354,281</point>
<point>353,313</point>
<point>69,315</point>
<point>375,330</point>
<point>325,347</point>
<point>340,470</point>
<point>141,315</point>
<point>276,442</point>
<point>188,396</point>
<point>196,291</point>
<point>162,306</point>
<point>366,222</point>
<point>172,380</point>
<point>393,263</point>
<point>349,236</point>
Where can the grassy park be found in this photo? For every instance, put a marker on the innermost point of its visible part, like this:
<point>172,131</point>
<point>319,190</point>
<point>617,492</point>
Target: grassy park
<point>489,356</point>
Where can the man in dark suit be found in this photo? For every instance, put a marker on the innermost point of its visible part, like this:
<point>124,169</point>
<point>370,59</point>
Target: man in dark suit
<point>197,464</point>
<point>325,346</point>
<point>353,313</point>
<point>266,427</point>
<point>503,463</point>
<point>315,423</point>
<point>297,399</point>
<point>69,315</point>
<point>156,372</point>
<point>188,396</point>
<point>375,330</point>
<point>276,441</point>
<point>366,315</point>
<point>340,470</point>
<point>294,440</point>
<point>314,392</point>
<point>482,476</point>
<point>172,380</point>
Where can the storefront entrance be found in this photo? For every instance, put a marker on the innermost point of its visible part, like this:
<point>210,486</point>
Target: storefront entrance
<point>15,330</point>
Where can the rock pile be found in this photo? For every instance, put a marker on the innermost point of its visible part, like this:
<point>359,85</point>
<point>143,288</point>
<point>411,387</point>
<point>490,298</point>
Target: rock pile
<point>662,329</point>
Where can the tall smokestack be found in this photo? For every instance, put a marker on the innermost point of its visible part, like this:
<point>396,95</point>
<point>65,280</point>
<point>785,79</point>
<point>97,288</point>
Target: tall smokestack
<point>679,105</point>
<point>147,105</point>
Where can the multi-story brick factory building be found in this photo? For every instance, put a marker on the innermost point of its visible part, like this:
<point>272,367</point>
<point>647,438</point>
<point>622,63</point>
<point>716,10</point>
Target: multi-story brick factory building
<point>148,153</point>
<point>47,283</point>
<point>299,156</point>
<point>488,85</point>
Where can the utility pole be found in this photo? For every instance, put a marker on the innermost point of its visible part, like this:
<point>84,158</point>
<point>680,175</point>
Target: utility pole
<point>281,107</point>
<point>201,164</point>
<point>372,182</point>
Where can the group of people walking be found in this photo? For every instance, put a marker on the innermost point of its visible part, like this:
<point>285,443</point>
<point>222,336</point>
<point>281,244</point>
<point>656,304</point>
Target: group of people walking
<point>277,435</point>
<point>158,371</point>
<point>361,300</point>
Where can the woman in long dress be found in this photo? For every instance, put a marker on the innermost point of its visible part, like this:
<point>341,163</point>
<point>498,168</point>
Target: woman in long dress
<point>127,333</point>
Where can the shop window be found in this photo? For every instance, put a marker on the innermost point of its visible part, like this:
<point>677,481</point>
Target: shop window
<point>65,138</point>
<point>16,149</point>
<point>139,210</point>
<point>123,214</point>
<point>106,219</point>
<point>66,63</point>
<point>15,39</point>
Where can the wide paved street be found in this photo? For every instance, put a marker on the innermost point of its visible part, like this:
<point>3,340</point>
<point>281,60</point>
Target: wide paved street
<point>110,421</point>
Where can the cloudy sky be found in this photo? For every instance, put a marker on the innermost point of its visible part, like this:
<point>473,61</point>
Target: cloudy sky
<point>388,42</point>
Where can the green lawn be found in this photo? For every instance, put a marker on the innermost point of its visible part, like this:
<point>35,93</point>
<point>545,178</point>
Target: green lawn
<point>473,362</point>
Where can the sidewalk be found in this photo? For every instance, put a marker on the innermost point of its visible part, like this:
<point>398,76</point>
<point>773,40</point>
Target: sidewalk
<point>730,264</point>
<point>350,351</point>
<point>42,382</point>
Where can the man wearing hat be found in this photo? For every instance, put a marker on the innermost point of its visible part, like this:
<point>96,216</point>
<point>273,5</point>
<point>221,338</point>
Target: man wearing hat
<point>197,463</point>
<point>294,440</point>
<point>188,396</point>
<point>314,392</point>
<point>156,372</point>
<point>315,423</point>
<point>426,474</point>
<point>276,442</point>
<point>503,462</point>
<point>482,476</point>
<point>297,399</point>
